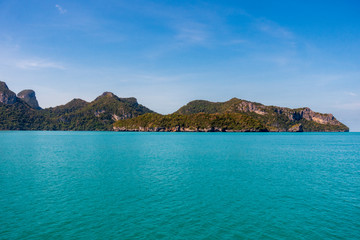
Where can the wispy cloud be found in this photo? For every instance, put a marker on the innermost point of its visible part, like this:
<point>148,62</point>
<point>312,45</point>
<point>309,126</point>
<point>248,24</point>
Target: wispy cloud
<point>273,29</point>
<point>61,9</point>
<point>351,94</point>
<point>189,25</point>
<point>34,64</point>
<point>192,33</point>
<point>13,57</point>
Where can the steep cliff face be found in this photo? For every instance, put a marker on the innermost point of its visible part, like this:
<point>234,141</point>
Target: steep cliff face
<point>307,114</point>
<point>310,115</point>
<point>6,96</point>
<point>29,97</point>
<point>245,106</point>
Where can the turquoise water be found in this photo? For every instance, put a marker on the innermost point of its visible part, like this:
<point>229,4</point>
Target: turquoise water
<point>106,185</point>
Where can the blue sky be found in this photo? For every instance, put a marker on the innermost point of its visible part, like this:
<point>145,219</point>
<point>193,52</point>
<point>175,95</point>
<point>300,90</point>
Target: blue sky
<point>166,53</point>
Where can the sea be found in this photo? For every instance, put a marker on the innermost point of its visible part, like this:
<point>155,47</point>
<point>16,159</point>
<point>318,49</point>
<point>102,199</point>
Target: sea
<point>123,185</point>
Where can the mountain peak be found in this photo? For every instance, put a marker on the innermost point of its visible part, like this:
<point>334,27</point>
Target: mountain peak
<point>3,86</point>
<point>29,97</point>
<point>108,94</point>
<point>6,96</point>
<point>77,100</point>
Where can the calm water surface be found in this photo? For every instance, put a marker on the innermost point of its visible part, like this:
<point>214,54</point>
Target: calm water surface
<point>106,185</point>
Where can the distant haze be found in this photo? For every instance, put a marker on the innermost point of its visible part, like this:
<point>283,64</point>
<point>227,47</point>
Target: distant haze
<point>166,53</point>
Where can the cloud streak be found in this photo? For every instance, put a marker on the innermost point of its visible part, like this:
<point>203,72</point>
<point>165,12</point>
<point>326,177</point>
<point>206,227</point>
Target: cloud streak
<point>273,29</point>
<point>192,33</point>
<point>61,9</point>
<point>38,64</point>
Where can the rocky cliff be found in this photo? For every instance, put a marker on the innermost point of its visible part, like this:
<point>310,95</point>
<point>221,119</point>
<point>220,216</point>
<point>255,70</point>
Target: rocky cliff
<point>6,96</point>
<point>29,97</point>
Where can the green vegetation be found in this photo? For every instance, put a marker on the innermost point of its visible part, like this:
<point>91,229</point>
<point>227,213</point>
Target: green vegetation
<point>20,116</point>
<point>98,115</point>
<point>204,106</point>
<point>193,122</point>
<point>310,126</point>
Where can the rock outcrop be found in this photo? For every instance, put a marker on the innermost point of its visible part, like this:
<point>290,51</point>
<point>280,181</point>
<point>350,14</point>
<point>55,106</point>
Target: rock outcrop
<point>296,128</point>
<point>245,106</point>
<point>307,114</point>
<point>29,97</point>
<point>321,118</point>
<point>6,96</point>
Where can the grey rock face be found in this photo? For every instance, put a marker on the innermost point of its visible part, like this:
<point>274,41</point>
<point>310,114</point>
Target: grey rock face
<point>29,97</point>
<point>246,106</point>
<point>6,96</point>
<point>296,128</point>
<point>308,114</point>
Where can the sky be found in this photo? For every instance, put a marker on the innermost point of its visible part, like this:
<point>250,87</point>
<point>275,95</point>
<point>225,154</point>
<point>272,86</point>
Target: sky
<point>167,53</point>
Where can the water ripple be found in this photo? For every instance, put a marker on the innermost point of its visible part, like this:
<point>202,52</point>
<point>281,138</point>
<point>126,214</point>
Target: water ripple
<point>86,185</point>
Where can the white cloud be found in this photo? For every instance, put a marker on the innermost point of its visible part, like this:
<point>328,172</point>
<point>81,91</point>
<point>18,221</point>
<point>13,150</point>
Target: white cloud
<point>61,9</point>
<point>38,64</point>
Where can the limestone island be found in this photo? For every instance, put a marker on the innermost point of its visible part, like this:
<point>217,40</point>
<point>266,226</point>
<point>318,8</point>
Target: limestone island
<point>111,113</point>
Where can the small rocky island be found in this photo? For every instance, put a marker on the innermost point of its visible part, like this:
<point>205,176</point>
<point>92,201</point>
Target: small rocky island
<point>111,113</point>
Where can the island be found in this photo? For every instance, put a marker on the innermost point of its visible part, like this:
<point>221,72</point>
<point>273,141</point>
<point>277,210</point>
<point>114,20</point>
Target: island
<point>109,112</point>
